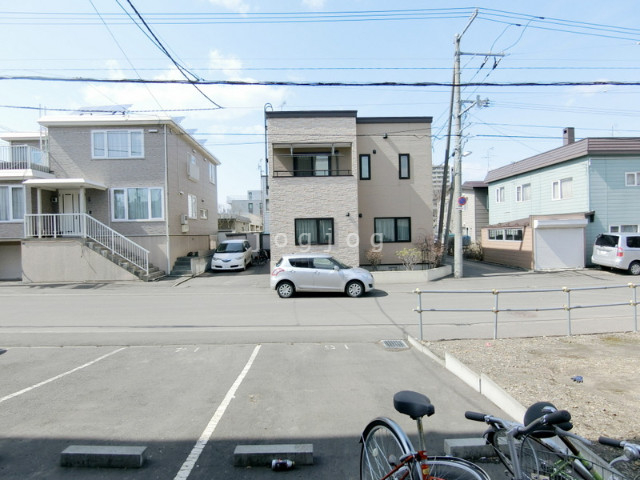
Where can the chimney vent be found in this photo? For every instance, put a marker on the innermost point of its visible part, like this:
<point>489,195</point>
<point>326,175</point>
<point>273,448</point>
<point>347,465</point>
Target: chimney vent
<point>568,135</point>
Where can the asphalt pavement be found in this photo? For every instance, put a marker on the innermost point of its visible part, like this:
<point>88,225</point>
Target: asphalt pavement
<point>191,368</point>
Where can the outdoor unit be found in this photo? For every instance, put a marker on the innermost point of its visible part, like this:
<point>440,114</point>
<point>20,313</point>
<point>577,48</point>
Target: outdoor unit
<point>184,219</point>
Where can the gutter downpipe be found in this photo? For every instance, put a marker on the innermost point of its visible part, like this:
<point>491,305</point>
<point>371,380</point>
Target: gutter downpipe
<point>166,200</point>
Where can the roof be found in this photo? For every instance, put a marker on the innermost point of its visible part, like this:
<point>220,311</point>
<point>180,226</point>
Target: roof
<point>56,183</point>
<point>587,147</point>
<point>475,184</point>
<point>311,113</point>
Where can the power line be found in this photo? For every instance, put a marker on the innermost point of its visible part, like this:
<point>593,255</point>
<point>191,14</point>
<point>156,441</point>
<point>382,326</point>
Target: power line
<point>183,71</point>
<point>283,83</point>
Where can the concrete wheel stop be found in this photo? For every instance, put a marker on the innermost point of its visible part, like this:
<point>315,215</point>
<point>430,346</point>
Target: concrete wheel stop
<point>263,455</point>
<point>103,456</point>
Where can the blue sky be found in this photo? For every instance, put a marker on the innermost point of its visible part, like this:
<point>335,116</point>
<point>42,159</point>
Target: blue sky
<point>310,41</point>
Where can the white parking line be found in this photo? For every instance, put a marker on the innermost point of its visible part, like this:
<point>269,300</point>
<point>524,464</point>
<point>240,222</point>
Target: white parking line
<point>191,460</point>
<point>57,377</point>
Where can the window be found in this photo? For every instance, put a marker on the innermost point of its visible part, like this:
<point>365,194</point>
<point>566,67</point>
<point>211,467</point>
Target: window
<point>499,194</point>
<point>507,234</point>
<point>212,173</point>
<point>392,229</point>
<point>117,144</point>
<point>623,228</point>
<point>137,204</point>
<point>193,172</point>
<point>314,231</point>
<point>204,213</point>
<point>404,170</point>
<point>250,207</point>
<point>312,165</point>
<point>192,206</point>
<point>365,167</point>
<point>562,189</point>
<point>12,204</point>
<point>523,193</point>
<point>632,179</point>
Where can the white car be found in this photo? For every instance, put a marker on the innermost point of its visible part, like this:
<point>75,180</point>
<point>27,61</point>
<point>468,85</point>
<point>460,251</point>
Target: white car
<point>316,272</point>
<point>232,255</point>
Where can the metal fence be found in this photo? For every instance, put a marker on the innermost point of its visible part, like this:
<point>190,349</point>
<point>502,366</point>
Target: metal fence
<point>499,296</point>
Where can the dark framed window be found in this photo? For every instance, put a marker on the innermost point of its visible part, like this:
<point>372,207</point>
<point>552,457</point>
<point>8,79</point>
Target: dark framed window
<point>404,166</point>
<point>312,165</point>
<point>389,230</point>
<point>314,231</point>
<point>365,167</point>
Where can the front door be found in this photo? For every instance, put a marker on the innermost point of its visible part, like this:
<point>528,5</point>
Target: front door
<point>69,209</point>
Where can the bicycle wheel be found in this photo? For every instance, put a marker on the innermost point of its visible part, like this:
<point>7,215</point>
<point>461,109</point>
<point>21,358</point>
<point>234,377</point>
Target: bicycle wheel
<point>540,460</point>
<point>498,440</point>
<point>451,468</point>
<point>383,444</point>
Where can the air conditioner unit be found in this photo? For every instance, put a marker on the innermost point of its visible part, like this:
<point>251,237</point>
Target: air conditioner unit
<point>184,219</point>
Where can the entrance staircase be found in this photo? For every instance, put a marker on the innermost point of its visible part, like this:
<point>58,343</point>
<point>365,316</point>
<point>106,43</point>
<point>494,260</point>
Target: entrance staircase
<point>152,275</point>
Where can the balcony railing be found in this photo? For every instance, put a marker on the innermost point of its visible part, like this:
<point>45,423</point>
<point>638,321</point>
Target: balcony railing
<point>311,173</point>
<point>23,157</point>
<point>85,226</point>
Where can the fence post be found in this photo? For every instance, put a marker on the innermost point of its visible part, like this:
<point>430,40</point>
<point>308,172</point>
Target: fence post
<point>634,304</point>
<point>567,307</point>
<point>420,310</point>
<point>496,293</point>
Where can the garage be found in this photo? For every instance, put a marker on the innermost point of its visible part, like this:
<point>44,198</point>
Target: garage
<point>559,244</point>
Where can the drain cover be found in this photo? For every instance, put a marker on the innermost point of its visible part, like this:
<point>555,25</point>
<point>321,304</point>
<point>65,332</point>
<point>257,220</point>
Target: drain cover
<point>394,344</point>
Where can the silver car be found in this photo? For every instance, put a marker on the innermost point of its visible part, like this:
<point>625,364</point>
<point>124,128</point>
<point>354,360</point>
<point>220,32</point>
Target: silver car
<point>618,250</point>
<point>317,272</point>
<point>232,255</point>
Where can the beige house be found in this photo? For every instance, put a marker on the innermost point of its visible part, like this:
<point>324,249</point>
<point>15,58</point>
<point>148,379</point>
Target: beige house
<point>104,197</point>
<point>344,184</point>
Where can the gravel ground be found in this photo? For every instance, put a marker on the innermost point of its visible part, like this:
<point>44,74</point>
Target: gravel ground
<point>535,369</point>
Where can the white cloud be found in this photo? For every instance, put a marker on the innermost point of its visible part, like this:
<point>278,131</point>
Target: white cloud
<point>239,6</point>
<point>314,4</point>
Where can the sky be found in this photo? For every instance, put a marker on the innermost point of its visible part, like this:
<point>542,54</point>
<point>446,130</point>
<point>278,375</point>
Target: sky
<point>552,65</point>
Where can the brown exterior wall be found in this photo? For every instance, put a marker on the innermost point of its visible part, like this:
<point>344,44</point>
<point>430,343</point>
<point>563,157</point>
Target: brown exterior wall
<point>502,252</point>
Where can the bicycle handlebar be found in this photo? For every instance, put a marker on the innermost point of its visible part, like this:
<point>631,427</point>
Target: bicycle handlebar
<point>612,442</point>
<point>553,418</point>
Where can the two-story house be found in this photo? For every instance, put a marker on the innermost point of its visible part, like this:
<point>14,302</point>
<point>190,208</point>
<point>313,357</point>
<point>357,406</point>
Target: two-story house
<point>139,188</point>
<point>344,184</point>
<point>545,211</point>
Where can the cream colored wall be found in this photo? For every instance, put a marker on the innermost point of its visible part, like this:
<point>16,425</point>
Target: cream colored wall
<point>386,195</point>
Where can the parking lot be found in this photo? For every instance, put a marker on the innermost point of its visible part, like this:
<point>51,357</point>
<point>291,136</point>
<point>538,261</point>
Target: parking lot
<point>216,361</point>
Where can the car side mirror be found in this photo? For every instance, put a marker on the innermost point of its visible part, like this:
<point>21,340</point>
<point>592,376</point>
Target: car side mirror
<point>336,268</point>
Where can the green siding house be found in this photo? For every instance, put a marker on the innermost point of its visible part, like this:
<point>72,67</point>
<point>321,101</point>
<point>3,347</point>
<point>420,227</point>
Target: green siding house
<point>546,211</point>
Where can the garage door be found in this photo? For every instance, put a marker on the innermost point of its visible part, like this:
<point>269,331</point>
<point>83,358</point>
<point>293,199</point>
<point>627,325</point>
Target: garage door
<point>558,245</point>
<point>10,261</point>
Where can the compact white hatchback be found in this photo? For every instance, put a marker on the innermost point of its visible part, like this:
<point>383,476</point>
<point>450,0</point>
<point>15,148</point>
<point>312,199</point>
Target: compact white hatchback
<point>232,255</point>
<point>317,272</point>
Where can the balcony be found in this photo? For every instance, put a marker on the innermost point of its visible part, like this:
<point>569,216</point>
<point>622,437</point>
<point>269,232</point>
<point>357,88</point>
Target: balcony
<point>312,173</point>
<point>23,157</point>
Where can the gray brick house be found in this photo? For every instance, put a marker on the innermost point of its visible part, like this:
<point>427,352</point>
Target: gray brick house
<point>139,188</point>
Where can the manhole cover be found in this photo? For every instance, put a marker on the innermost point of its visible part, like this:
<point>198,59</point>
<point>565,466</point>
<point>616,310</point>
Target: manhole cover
<point>394,344</point>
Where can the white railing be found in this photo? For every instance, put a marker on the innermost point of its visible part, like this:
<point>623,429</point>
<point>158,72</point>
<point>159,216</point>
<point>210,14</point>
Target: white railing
<point>54,225</point>
<point>23,157</point>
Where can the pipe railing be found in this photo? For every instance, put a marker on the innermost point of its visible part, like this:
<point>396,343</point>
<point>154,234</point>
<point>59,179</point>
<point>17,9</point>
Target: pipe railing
<point>567,307</point>
<point>56,225</point>
<point>23,157</point>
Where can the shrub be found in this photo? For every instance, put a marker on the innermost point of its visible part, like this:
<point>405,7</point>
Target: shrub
<point>409,257</point>
<point>374,257</point>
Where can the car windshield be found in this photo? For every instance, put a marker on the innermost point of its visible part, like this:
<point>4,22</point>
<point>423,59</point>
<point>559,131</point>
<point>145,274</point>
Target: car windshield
<point>229,248</point>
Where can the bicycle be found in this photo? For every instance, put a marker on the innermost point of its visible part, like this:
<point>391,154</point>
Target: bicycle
<point>261,258</point>
<point>542,447</point>
<point>387,452</point>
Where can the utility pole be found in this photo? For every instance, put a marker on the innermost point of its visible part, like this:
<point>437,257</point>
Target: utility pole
<point>457,172</point>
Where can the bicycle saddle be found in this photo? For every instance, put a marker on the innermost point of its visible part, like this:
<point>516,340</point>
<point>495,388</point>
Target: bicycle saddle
<point>414,404</point>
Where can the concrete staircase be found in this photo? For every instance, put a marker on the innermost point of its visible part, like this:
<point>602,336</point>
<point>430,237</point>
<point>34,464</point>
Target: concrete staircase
<point>193,264</point>
<point>154,272</point>
<point>182,267</point>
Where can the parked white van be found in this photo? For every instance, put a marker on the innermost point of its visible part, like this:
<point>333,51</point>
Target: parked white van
<point>618,250</point>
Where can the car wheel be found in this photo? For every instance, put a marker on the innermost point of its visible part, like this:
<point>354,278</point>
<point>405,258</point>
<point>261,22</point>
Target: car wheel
<point>285,289</point>
<point>634,268</point>
<point>354,289</point>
